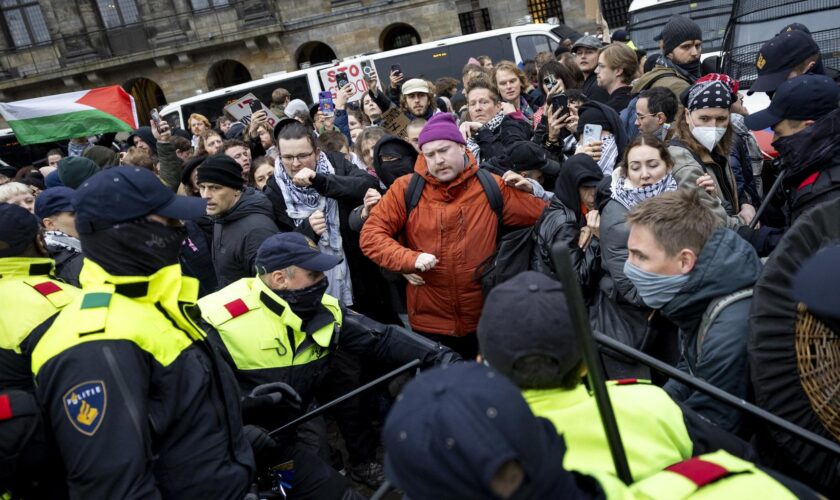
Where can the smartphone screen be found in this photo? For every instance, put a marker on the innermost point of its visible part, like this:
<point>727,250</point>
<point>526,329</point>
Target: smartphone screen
<point>341,80</point>
<point>561,102</point>
<point>325,103</point>
<point>256,105</point>
<point>591,133</point>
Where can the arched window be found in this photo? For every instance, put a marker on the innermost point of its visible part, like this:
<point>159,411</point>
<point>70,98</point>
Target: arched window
<point>312,53</point>
<point>397,36</point>
<point>147,95</point>
<point>225,73</point>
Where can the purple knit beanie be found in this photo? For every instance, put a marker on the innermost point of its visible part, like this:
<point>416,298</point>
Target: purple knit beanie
<point>440,127</point>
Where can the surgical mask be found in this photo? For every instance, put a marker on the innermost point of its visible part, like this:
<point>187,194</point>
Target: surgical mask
<point>708,137</point>
<point>656,290</point>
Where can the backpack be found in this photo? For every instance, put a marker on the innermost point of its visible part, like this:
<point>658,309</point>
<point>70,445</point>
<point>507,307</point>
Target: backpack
<point>712,312</point>
<point>513,244</point>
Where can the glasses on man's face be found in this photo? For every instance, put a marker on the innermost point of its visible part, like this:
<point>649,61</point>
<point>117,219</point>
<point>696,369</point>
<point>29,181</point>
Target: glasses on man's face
<point>642,115</point>
<point>291,158</point>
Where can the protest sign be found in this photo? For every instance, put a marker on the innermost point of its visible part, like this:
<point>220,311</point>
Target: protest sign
<point>355,71</point>
<point>240,110</point>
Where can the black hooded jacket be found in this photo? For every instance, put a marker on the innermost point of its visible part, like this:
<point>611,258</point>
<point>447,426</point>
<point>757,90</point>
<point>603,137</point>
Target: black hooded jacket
<point>563,220</point>
<point>389,171</point>
<point>603,115</point>
<point>148,137</point>
<point>238,234</point>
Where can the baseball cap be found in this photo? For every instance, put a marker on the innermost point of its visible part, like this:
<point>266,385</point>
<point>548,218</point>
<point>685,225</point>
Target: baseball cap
<point>452,428</point>
<point>54,200</point>
<point>123,194</point>
<point>587,41</point>
<point>282,250</point>
<point>779,55</point>
<point>620,36</point>
<point>806,97</point>
<point>18,228</point>
<point>527,315</point>
<point>415,85</point>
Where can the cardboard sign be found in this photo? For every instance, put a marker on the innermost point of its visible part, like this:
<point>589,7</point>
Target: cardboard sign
<point>355,74</point>
<point>240,110</point>
<point>395,122</point>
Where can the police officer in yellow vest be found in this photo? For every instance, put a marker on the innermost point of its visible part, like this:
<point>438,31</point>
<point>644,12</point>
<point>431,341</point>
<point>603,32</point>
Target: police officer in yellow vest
<point>140,404</point>
<point>29,465</point>
<point>526,333</point>
<point>281,326</point>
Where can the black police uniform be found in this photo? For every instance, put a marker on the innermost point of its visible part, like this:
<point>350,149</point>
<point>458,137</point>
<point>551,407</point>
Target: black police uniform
<point>140,405</point>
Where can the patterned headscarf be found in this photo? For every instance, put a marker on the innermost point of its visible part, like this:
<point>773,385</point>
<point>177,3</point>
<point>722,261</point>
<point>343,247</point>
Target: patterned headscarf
<point>709,94</point>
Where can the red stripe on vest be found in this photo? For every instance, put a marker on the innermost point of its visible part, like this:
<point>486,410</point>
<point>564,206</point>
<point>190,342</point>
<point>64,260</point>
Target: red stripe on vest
<point>237,308</point>
<point>47,288</point>
<point>5,407</point>
<point>809,180</point>
<point>626,381</point>
<point>699,472</point>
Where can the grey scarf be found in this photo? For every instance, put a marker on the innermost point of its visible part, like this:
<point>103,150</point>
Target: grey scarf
<point>57,240</point>
<point>301,202</point>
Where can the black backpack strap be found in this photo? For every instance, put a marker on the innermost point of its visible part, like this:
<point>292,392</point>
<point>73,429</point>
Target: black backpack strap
<point>493,193</point>
<point>413,192</point>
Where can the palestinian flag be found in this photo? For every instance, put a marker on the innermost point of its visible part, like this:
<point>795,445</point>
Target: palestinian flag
<point>75,114</point>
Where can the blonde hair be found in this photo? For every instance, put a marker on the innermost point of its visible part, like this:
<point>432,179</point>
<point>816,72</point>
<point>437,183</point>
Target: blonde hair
<point>203,119</point>
<point>618,55</point>
<point>510,66</point>
<point>12,189</point>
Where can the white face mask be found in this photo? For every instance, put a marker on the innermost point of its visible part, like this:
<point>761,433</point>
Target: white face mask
<point>708,137</point>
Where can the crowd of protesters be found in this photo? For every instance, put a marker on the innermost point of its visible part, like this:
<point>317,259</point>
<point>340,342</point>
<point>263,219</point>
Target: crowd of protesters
<point>384,236</point>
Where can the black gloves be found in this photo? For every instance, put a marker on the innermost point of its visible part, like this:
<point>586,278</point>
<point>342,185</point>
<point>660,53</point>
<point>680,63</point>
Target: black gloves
<point>271,405</point>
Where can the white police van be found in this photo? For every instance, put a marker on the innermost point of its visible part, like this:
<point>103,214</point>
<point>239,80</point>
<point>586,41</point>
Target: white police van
<point>430,60</point>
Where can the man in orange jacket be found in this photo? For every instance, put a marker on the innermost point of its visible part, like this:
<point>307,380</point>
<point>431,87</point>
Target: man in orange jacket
<point>445,237</point>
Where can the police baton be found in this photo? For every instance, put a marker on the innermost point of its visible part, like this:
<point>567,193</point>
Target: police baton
<point>767,197</point>
<point>720,395</point>
<point>594,371</point>
<point>350,395</point>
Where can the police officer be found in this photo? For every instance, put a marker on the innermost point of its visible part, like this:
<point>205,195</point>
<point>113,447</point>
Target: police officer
<point>29,465</point>
<point>526,333</point>
<point>282,327</point>
<point>139,403</point>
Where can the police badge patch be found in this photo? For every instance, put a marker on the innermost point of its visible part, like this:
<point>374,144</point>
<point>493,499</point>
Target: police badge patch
<point>85,406</point>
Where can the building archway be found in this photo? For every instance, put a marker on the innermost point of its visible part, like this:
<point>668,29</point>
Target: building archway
<point>397,36</point>
<point>312,53</point>
<point>225,73</point>
<point>147,96</point>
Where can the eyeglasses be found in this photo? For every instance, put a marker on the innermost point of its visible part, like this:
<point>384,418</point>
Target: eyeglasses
<point>642,115</point>
<point>292,158</point>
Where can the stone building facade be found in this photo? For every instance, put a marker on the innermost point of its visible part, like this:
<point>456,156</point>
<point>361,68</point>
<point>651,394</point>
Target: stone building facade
<point>165,50</point>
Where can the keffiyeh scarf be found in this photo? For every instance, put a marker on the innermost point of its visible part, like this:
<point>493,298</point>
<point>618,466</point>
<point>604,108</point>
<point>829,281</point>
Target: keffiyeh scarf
<point>301,202</point>
<point>59,240</point>
<point>609,154</point>
<point>492,126</point>
<point>629,197</point>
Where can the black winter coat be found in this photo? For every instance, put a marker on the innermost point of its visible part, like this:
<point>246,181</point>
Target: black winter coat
<point>238,234</point>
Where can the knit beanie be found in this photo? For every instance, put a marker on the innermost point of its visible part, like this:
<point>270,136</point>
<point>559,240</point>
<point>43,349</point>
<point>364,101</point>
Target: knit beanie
<point>74,170</point>
<point>679,29</point>
<point>102,156</point>
<point>222,170</point>
<point>441,127</point>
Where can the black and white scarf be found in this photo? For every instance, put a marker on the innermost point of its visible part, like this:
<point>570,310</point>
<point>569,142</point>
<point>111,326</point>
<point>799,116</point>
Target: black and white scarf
<point>301,202</point>
<point>492,126</point>
<point>57,240</point>
<point>629,197</point>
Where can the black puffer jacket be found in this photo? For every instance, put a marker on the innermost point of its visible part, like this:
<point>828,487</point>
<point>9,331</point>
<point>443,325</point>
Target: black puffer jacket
<point>563,220</point>
<point>495,143</point>
<point>238,234</point>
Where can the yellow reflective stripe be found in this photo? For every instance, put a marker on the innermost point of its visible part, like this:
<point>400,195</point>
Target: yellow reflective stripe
<point>124,319</point>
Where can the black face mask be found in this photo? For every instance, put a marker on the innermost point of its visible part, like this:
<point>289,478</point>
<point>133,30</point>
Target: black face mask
<point>693,68</point>
<point>393,169</point>
<point>138,248</point>
<point>305,302</point>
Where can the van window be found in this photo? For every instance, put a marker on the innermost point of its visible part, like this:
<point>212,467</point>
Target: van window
<point>531,45</point>
<point>212,107</point>
<point>445,60</point>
